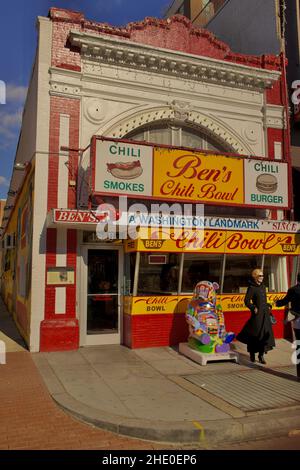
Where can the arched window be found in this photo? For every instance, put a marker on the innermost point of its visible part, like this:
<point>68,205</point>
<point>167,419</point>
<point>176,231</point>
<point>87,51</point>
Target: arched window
<point>177,135</point>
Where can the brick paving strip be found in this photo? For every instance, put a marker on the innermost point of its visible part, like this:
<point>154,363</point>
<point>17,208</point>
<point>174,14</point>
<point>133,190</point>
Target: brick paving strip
<point>29,419</point>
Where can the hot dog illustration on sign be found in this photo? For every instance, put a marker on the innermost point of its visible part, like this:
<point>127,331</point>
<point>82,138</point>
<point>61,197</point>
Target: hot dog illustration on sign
<point>205,319</point>
<point>125,170</point>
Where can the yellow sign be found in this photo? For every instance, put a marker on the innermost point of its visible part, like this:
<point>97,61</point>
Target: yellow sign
<point>215,241</point>
<point>235,302</point>
<point>178,304</point>
<point>184,174</point>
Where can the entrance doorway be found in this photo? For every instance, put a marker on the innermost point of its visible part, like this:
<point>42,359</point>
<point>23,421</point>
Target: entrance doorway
<point>101,279</point>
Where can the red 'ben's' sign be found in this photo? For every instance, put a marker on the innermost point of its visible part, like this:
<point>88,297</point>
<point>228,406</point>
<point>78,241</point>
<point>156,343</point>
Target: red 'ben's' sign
<point>83,217</point>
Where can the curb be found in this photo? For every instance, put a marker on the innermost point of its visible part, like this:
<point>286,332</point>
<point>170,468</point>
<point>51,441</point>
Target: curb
<point>230,430</point>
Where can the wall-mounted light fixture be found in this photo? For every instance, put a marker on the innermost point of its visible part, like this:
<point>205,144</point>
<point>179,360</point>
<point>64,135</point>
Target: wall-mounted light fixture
<point>20,166</point>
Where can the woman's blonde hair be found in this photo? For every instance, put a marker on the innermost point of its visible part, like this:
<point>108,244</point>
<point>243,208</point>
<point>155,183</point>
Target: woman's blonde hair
<point>256,272</point>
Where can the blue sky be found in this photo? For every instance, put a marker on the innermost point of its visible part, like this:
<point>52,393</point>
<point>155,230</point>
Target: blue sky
<point>18,41</point>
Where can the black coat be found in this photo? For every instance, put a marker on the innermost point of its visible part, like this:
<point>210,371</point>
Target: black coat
<point>257,333</point>
<point>293,296</point>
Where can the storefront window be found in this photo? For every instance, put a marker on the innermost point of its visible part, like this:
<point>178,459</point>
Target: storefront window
<point>200,268</point>
<point>129,269</point>
<point>158,279</point>
<point>238,272</point>
<point>270,268</point>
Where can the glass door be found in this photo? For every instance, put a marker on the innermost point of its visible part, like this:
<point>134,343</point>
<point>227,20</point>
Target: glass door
<point>102,275</point>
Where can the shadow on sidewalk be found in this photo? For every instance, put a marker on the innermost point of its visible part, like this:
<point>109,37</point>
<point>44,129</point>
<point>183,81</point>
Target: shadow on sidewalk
<point>243,360</point>
<point>8,330</point>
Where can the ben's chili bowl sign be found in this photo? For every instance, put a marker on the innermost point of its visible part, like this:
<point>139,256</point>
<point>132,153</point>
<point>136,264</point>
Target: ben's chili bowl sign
<point>218,241</point>
<point>179,174</point>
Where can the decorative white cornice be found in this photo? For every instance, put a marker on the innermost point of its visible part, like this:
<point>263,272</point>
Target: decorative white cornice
<point>275,117</point>
<point>128,54</point>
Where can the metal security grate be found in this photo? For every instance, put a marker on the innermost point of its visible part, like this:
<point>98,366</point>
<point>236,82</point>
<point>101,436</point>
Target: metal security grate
<point>250,391</point>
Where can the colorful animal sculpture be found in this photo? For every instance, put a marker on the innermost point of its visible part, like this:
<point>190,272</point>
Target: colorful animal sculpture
<point>206,320</point>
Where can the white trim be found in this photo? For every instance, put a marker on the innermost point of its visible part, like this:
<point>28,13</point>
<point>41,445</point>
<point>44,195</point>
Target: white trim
<point>63,171</point>
<point>101,339</point>
<point>60,300</point>
<point>278,150</point>
<point>275,116</point>
<point>40,185</point>
<point>165,61</point>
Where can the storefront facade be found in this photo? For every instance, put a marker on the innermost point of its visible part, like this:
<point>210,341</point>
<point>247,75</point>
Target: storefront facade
<point>147,96</point>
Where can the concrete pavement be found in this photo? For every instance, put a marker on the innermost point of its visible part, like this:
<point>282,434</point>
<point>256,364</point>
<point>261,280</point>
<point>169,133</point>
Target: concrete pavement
<point>151,394</point>
<point>157,394</point>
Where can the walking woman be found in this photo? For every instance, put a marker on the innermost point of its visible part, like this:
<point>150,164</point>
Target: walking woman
<point>257,333</point>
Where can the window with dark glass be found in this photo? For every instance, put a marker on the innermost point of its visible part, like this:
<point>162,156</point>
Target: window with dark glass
<point>238,272</point>
<point>158,279</point>
<point>200,268</point>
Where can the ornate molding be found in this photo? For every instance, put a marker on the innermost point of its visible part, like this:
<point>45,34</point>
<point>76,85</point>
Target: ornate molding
<point>197,120</point>
<point>181,109</point>
<point>112,51</point>
<point>250,132</point>
<point>65,89</point>
<point>95,110</point>
<point>275,117</point>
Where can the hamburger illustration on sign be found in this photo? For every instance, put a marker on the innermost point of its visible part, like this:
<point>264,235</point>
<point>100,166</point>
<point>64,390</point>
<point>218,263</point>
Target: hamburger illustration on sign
<point>125,170</point>
<point>266,183</point>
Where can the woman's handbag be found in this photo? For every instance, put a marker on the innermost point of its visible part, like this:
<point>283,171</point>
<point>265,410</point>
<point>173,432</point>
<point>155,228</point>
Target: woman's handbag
<point>272,318</point>
<point>292,315</point>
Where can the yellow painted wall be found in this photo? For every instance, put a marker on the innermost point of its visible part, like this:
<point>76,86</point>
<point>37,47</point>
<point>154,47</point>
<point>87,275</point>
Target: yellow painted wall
<point>16,265</point>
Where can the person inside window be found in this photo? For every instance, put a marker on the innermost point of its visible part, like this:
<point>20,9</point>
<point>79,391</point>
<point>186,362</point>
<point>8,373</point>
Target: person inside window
<point>169,278</point>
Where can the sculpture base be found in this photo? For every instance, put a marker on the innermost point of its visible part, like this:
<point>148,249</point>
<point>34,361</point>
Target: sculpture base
<point>202,358</point>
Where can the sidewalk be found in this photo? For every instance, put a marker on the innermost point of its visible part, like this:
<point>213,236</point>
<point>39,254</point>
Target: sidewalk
<point>159,395</point>
<point>151,394</point>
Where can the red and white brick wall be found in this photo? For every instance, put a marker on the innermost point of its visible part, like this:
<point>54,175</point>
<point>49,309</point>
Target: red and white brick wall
<point>71,125</point>
<point>60,328</point>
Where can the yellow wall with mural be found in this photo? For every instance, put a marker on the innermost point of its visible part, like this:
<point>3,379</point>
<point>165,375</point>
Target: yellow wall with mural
<point>17,257</point>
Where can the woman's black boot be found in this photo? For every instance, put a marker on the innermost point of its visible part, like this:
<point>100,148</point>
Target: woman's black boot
<point>252,357</point>
<point>261,359</point>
